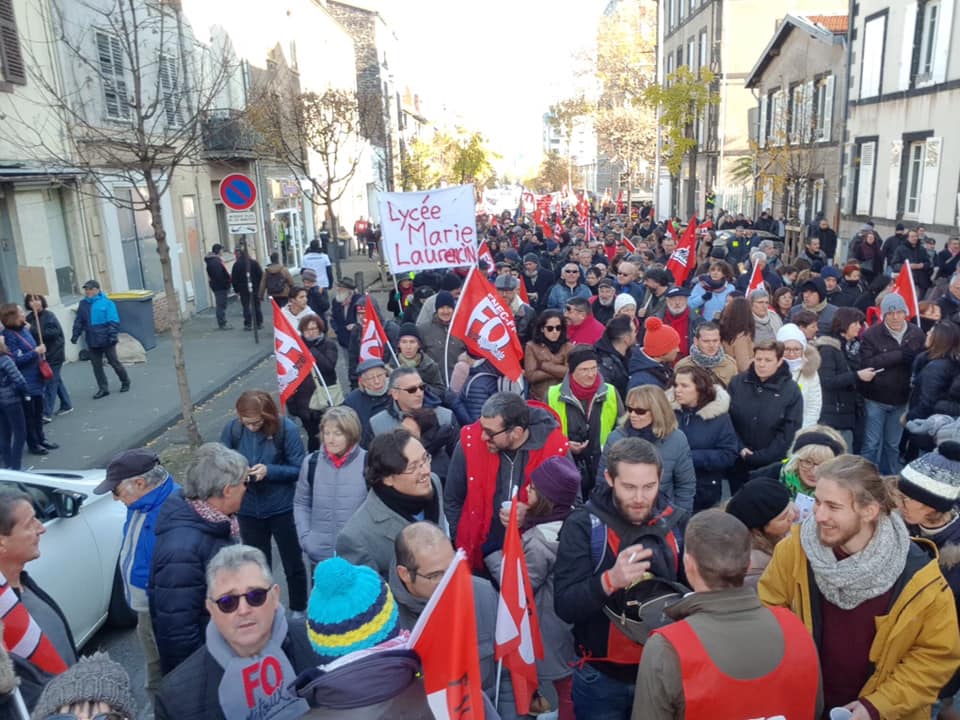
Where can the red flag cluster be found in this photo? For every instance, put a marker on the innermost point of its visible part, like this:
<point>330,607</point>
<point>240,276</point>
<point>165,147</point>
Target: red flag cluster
<point>373,338</point>
<point>684,257</point>
<point>294,361</point>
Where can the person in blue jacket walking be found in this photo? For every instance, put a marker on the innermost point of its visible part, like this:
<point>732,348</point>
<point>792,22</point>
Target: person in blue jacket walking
<point>138,480</point>
<point>272,446</point>
<point>97,319</point>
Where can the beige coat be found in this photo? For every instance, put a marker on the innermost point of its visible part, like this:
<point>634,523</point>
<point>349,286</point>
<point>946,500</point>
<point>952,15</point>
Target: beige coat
<point>543,368</point>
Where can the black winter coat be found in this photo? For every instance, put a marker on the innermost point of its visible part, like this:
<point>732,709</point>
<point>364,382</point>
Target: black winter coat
<point>52,333</point>
<point>191,692</point>
<point>714,445</point>
<point>644,370</point>
<point>238,277</point>
<point>178,583</point>
<point>914,254</point>
<point>838,384</point>
<point>766,415</point>
<point>217,275</point>
<point>931,382</point>
<point>879,349</point>
<point>366,406</point>
<point>614,366</point>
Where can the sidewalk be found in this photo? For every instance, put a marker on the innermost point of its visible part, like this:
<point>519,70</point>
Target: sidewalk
<point>98,429</point>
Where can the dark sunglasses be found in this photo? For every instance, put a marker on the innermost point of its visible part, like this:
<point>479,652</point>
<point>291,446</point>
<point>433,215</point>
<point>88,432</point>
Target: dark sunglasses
<point>638,411</point>
<point>101,716</point>
<point>551,328</point>
<point>254,598</point>
<point>415,389</point>
<point>571,271</point>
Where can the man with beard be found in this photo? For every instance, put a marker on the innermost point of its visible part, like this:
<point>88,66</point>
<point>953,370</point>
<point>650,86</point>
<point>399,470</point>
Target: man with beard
<point>603,307</point>
<point>707,352</point>
<point>766,508</point>
<point>624,533</point>
<point>676,314</point>
<point>881,613</point>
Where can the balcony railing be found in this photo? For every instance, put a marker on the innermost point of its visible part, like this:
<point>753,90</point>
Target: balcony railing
<point>227,135</point>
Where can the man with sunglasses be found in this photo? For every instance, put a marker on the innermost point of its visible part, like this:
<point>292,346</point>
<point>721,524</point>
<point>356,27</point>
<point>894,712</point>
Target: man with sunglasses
<point>407,391</point>
<point>138,480</point>
<point>252,654</point>
<point>570,285</point>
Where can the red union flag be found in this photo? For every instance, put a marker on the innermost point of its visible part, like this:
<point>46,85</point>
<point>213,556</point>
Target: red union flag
<point>904,287</point>
<point>683,259</point>
<point>517,635</point>
<point>756,279</point>
<point>373,340</point>
<point>294,361</point>
<point>483,253</point>
<point>451,660</point>
<point>486,326</point>
<point>631,248</point>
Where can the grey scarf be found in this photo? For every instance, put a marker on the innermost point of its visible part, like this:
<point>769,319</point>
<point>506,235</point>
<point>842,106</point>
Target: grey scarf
<point>706,361</point>
<point>259,687</point>
<point>864,575</point>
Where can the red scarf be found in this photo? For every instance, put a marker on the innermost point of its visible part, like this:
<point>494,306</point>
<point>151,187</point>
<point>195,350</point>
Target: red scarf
<point>680,323</point>
<point>585,394</point>
<point>22,635</point>
<point>337,460</point>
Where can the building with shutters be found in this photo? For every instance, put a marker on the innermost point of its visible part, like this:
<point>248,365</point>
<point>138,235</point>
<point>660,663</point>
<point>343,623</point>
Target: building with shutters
<point>901,158</point>
<point>799,81</point>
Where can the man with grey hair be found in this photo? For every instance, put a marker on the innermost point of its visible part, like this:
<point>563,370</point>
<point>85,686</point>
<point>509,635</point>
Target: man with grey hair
<point>192,526</point>
<point>138,480</point>
<point>496,454</point>
<point>251,655</point>
<point>407,391</point>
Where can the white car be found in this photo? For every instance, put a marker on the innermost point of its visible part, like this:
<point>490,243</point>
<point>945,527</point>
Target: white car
<point>77,566</point>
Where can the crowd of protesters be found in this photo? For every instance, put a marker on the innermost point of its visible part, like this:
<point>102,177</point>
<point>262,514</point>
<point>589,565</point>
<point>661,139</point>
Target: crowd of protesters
<point>736,493</point>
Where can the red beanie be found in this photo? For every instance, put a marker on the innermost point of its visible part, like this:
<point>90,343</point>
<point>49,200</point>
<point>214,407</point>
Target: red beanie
<point>659,339</point>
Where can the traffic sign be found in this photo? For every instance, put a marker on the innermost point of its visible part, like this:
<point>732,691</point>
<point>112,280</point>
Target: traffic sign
<point>247,217</point>
<point>238,191</point>
<point>242,229</point>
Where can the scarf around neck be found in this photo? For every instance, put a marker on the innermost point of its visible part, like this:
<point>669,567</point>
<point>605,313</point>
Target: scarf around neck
<point>711,284</point>
<point>585,393</point>
<point>864,575</point>
<point>212,515</point>
<point>258,687</point>
<point>705,361</point>
<point>410,507</point>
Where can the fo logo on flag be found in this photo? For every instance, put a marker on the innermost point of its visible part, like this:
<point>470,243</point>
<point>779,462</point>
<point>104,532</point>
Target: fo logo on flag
<point>487,325</point>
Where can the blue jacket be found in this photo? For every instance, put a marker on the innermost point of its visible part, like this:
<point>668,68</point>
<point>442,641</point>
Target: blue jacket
<point>97,318</point>
<point>931,383</point>
<point>710,307</point>
<point>714,446</point>
<point>560,293</point>
<point>12,385</point>
<point>483,380</point>
<point>274,494</point>
<point>22,347</point>
<point>644,370</point>
<point>185,544</point>
<point>136,553</point>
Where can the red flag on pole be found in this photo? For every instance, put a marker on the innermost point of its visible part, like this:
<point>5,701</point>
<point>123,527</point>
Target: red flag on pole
<point>683,259</point>
<point>671,230</point>
<point>483,253</point>
<point>904,287</point>
<point>445,638</point>
<point>294,361</point>
<point>486,326</point>
<point>373,339</point>
<point>628,244</point>
<point>522,291</point>
<point>756,279</point>
<point>517,635</point>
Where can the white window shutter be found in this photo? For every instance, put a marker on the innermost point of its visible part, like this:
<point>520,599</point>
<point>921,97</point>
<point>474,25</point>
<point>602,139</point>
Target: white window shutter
<point>893,177</point>
<point>807,118</point>
<point>868,153</point>
<point>762,134</point>
<point>942,46</point>
<point>846,206</point>
<point>931,175</point>
<point>780,118</point>
<point>906,50</point>
<point>827,130</point>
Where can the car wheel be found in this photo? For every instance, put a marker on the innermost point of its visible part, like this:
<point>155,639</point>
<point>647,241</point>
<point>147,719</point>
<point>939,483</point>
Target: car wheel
<point>120,616</point>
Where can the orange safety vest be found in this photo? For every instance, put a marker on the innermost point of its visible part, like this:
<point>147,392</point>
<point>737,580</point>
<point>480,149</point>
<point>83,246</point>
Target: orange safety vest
<point>789,691</point>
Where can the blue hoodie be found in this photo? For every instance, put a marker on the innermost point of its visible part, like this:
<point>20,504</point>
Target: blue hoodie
<point>97,318</point>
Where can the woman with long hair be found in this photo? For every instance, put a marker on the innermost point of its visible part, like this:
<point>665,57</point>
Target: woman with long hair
<point>649,416</point>
<point>737,329</point>
<point>49,331</point>
<point>272,446</point>
<point>710,293</point>
<point>867,251</point>
<point>545,357</point>
<point>324,351</point>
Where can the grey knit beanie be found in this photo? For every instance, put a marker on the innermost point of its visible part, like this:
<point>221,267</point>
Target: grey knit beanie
<point>95,678</point>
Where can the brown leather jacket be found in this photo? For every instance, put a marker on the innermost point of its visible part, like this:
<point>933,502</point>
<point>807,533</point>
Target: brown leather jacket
<point>543,368</point>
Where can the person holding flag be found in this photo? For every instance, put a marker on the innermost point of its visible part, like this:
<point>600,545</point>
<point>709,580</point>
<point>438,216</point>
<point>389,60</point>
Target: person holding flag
<point>683,260</point>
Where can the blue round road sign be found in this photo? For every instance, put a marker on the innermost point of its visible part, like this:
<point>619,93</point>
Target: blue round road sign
<point>238,191</point>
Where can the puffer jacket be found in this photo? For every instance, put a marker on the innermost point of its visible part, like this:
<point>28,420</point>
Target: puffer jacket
<point>483,380</point>
<point>879,349</point>
<point>917,646</point>
<point>177,590</point>
<point>97,319</point>
<point>838,384</point>
<point>543,368</point>
<point>321,507</point>
<point>13,387</point>
<point>766,415</point>
<point>713,445</point>
<point>808,381</point>
<point>274,494</point>
<point>931,382</point>
<point>678,478</point>
<point>22,348</point>
<point>644,370</point>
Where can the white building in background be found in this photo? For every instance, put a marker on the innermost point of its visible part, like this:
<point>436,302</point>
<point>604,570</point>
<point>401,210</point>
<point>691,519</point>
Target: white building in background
<point>580,149</point>
<point>902,150</point>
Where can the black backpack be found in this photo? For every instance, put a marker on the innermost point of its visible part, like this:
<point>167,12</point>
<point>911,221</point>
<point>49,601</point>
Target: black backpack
<point>276,283</point>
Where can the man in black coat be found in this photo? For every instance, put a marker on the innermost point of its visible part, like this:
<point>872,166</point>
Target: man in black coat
<point>828,240</point>
<point>219,280</point>
<point>245,278</point>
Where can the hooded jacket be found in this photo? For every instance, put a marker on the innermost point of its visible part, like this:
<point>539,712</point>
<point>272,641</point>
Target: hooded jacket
<point>916,649</point>
<point>614,367</point>
<point>838,384</point>
<point>644,370</point>
<point>766,414</point>
<point>713,444</point>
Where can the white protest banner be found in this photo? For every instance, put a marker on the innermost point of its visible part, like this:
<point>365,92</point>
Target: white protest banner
<point>429,229</point>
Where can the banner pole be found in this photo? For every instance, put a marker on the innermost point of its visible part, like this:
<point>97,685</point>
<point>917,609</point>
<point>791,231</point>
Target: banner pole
<point>453,318</point>
<point>496,693</point>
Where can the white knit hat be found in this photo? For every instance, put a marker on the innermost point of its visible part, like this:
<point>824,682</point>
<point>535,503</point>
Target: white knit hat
<point>791,332</point>
<point>622,300</point>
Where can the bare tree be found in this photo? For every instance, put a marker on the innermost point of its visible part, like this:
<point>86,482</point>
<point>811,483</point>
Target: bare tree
<point>130,97</point>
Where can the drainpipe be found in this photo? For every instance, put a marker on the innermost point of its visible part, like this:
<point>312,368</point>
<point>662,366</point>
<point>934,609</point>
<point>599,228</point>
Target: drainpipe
<point>846,115</point>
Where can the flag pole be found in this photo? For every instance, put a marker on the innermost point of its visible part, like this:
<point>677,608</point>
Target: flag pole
<point>496,693</point>
<point>318,376</point>
<point>446,344</point>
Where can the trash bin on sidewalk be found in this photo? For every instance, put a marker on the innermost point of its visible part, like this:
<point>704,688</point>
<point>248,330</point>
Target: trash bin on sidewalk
<point>136,315</point>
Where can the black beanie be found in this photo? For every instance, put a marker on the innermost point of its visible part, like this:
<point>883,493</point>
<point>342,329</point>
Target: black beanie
<point>758,502</point>
<point>410,330</point>
<point>580,355</point>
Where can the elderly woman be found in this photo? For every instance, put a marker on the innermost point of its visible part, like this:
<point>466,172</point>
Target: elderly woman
<point>766,322</point>
<point>545,359</point>
<point>402,491</point>
<point>330,487</point>
<point>812,447</point>
<point>272,446</point>
<point>803,359</point>
<point>192,526</point>
<point>649,416</point>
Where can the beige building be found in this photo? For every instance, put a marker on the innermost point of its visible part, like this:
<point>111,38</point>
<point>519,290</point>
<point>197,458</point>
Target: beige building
<point>724,36</point>
<point>797,126</point>
<point>901,159</point>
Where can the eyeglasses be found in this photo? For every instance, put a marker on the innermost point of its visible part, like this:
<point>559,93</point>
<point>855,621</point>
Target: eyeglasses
<point>255,598</point>
<point>808,464</point>
<point>418,465</point>
<point>490,435</point>
<point>414,389</point>
<point>433,577</point>
<point>622,274</point>
<point>100,716</point>
<point>638,411</point>
<point>551,328</point>
<point>570,270</point>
